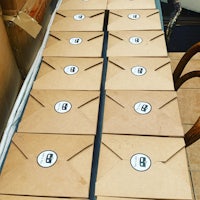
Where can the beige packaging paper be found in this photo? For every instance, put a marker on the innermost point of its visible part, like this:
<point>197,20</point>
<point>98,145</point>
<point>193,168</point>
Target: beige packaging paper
<point>131,4</point>
<point>20,197</point>
<point>61,112</point>
<point>142,113</point>
<point>48,165</point>
<point>63,73</point>
<point>134,20</point>
<point>143,167</point>
<point>135,73</point>
<point>78,20</point>
<point>74,44</point>
<point>83,5</point>
<point>136,43</point>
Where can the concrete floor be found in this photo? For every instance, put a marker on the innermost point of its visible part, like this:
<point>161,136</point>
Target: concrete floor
<point>189,104</point>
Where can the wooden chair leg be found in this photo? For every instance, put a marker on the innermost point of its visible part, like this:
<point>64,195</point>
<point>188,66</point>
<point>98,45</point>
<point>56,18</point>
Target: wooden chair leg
<point>193,134</point>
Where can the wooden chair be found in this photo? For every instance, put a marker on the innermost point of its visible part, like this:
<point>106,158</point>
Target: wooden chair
<point>194,133</point>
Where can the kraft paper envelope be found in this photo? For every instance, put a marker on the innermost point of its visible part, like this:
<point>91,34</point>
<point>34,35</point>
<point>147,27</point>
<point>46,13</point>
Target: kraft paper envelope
<point>59,73</point>
<point>143,167</point>
<point>131,4</point>
<point>134,20</point>
<point>134,73</point>
<point>78,20</point>
<point>14,197</point>
<point>83,5</point>
<point>136,43</point>
<point>48,165</point>
<point>61,111</point>
<point>142,113</point>
<point>74,44</point>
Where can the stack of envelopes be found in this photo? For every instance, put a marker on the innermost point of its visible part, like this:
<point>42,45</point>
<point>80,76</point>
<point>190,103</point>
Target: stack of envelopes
<point>142,153</point>
<point>51,154</point>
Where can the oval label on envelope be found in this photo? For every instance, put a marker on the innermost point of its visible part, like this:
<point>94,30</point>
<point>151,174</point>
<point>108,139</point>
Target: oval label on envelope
<point>138,70</point>
<point>71,69</point>
<point>47,159</point>
<point>62,107</point>
<point>79,17</point>
<point>140,162</point>
<point>135,40</point>
<point>75,41</point>
<point>142,108</point>
<point>133,16</point>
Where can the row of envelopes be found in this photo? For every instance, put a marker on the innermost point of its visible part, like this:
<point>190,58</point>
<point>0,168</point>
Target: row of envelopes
<point>51,154</point>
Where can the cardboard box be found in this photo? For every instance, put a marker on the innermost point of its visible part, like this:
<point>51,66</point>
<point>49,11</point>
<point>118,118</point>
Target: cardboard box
<point>143,167</point>
<point>142,113</point>
<point>10,79</point>
<point>83,5</point>
<point>134,20</point>
<point>78,20</point>
<point>26,31</point>
<point>61,112</point>
<point>59,73</point>
<point>136,43</point>
<point>134,73</point>
<point>130,4</point>
<point>74,44</point>
<point>13,197</point>
<point>48,165</point>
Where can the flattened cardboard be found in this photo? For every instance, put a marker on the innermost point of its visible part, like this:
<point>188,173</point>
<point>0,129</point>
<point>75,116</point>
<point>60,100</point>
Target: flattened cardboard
<point>74,44</point>
<point>63,172</point>
<point>134,73</point>
<point>14,197</point>
<point>83,5</point>
<point>144,43</point>
<point>116,198</point>
<point>78,20</point>
<point>130,4</point>
<point>166,178</point>
<point>53,74</point>
<point>61,112</point>
<point>134,20</point>
<point>126,114</point>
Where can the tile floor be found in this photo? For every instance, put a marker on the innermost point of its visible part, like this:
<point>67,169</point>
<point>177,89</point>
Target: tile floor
<point>189,98</point>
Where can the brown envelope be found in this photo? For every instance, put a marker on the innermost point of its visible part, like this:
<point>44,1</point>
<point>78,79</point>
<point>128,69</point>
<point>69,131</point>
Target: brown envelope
<point>142,113</point>
<point>131,4</point>
<point>83,4</point>
<point>69,73</point>
<point>143,167</point>
<point>48,165</point>
<point>134,73</point>
<point>14,197</point>
<point>136,43</point>
<point>61,111</point>
<point>134,20</point>
<point>74,44</point>
<point>78,20</point>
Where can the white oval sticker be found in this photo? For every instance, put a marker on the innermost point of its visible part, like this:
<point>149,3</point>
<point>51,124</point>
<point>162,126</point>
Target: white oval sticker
<point>133,16</point>
<point>140,162</point>
<point>62,107</point>
<point>138,70</point>
<point>79,17</point>
<point>135,40</point>
<point>75,41</point>
<point>71,69</point>
<point>47,159</point>
<point>142,108</point>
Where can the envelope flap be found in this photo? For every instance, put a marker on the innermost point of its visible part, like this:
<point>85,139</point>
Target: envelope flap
<point>50,98</point>
<point>158,149</point>
<point>155,98</point>
<point>65,146</point>
<point>66,36</point>
<point>86,13</point>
